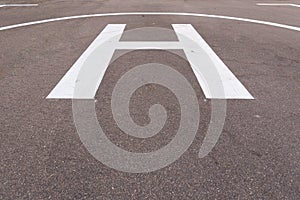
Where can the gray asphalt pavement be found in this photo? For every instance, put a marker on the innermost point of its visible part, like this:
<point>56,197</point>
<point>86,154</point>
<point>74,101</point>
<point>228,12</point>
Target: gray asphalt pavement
<point>257,155</point>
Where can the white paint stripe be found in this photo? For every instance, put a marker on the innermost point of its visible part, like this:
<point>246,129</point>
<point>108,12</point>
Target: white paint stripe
<point>18,5</point>
<point>65,88</point>
<point>149,45</point>
<point>151,13</point>
<point>204,61</point>
<point>278,4</point>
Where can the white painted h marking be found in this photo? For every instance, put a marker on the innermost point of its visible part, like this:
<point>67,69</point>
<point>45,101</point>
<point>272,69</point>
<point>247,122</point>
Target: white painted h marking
<point>197,51</point>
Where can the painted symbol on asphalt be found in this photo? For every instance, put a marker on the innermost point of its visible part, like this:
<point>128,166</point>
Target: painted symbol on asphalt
<point>81,83</point>
<point>199,54</point>
<point>218,107</point>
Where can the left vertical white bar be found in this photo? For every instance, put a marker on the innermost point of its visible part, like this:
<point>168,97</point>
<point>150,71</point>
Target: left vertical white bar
<point>105,45</point>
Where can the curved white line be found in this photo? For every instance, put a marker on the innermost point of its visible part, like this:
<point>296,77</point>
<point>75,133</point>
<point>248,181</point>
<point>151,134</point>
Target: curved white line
<point>18,5</point>
<point>152,13</point>
<point>278,4</point>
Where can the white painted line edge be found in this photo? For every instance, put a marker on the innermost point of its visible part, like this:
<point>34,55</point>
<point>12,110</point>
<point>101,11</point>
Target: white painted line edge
<point>278,4</point>
<point>18,5</point>
<point>151,13</point>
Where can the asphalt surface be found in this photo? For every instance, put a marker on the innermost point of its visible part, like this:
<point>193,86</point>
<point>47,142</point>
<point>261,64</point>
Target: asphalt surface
<point>256,157</point>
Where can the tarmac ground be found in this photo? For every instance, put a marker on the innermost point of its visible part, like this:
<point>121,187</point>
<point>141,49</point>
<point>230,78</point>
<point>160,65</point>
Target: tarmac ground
<point>257,154</point>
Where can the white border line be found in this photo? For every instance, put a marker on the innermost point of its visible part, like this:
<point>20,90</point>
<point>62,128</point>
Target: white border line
<point>18,5</point>
<point>151,13</point>
<point>278,4</point>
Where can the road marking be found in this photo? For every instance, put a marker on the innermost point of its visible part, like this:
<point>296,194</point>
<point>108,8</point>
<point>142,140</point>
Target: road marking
<point>65,88</point>
<point>233,88</point>
<point>202,58</point>
<point>152,13</point>
<point>278,4</point>
<point>18,5</point>
<point>149,45</point>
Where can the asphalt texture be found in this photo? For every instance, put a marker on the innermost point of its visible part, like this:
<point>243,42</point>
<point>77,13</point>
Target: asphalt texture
<point>257,155</point>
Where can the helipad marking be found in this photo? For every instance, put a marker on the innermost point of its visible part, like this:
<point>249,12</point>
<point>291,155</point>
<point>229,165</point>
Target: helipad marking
<point>200,56</point>
<point>151,13</point>
<point>18,5</point>
<point>278,4</point>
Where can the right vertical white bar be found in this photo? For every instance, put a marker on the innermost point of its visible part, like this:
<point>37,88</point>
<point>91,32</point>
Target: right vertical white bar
<point>202,59</point>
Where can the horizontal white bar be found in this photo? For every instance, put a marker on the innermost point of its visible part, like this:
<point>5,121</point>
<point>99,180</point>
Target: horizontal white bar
<point>149,45</point>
